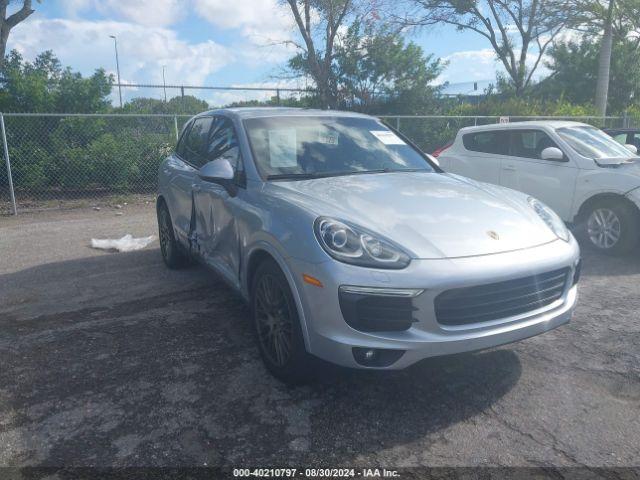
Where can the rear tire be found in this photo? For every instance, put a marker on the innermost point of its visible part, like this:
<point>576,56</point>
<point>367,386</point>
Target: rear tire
<point>277,326</point>
<point>172,252</point>
<point>611,227</point>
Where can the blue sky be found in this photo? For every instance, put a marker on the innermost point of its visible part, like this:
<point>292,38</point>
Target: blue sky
<point>210,42</point>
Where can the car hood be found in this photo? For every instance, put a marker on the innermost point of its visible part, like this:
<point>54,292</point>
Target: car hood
<point>431,215</point>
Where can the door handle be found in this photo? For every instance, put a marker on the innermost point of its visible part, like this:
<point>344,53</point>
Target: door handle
<point>511,168</point>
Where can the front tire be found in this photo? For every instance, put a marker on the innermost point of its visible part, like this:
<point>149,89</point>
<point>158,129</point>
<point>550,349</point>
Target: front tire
<point>612,227</point>
<point>172,253</point>
<point>277,325</point>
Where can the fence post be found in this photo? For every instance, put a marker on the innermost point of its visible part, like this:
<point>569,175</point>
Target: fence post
<point>625,119</point>
<point>175,126</point>
<point>398,124</point>
<point>8,162</point>
<point>278,96</point>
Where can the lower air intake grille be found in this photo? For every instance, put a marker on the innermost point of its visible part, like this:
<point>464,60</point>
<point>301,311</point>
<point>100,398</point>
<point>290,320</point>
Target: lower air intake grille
<point>462,306</point>
<point>376,313</point>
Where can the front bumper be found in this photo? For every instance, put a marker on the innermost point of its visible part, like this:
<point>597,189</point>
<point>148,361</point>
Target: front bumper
<point>329,337</point>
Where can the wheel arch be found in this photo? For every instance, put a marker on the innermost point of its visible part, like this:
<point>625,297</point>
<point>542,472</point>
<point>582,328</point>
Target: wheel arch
<point>601,197</point>
<point>259,254</point>
<point>160,200</point>
<point>254,260</point>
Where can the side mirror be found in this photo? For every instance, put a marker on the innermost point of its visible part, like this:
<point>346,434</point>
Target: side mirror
<point>552,153</point>
<point>217,171</point>
<point>632,148</point>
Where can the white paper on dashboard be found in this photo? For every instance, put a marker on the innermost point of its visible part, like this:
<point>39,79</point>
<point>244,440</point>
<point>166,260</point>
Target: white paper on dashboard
<point>387,137</point>
<point>282,148</point>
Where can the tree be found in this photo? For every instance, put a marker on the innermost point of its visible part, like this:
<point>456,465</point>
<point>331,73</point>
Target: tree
<point>515,29</point>
<point>374,71</point>
<point>188,105</point>
<point>574,73</point>
<point>604,62</point>
<point>613,21</point>
<point>7,23</point>
<point>377,73</point>
<point>318,22</point>
<point>44,86</point>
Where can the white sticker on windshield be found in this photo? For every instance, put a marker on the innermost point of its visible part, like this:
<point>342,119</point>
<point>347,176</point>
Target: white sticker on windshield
<point>282,148</point>
<point>387,137</point>
<point>328,138</point>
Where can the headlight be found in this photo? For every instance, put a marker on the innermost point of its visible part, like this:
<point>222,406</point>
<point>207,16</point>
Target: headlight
<point>553,221</point>
<point>351,244</point>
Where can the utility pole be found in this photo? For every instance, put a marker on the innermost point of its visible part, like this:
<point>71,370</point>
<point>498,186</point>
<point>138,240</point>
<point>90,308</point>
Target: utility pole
<point>164,84</point>
<point>115,43</point>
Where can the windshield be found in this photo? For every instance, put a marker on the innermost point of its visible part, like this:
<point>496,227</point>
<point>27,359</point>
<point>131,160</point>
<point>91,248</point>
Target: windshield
<point>593,143</point>
<point>291,147</point>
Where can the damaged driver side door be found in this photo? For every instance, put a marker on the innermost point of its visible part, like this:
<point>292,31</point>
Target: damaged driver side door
<point>216,235</point>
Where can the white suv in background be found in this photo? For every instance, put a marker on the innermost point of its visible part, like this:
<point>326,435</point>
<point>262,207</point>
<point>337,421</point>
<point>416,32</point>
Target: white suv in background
<point>589,179</point>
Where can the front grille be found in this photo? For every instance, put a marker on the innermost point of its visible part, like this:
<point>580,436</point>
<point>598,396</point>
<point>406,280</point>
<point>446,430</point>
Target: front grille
<point>462,306</point>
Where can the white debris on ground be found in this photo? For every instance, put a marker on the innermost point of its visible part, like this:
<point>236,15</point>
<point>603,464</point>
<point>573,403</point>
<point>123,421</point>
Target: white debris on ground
<point>125,244</point>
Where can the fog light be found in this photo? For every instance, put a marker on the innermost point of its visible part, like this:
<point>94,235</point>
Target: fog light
<point>376,357</point>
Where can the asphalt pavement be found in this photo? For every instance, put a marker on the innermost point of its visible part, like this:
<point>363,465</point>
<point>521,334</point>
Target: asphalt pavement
<point>110,359</point>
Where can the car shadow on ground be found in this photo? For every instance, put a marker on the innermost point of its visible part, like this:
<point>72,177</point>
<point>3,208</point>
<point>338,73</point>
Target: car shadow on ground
<point>598,264</point>
<point>167,373</point>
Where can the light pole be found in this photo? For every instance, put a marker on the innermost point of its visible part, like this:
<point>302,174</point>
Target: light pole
<point>164,85</point>
<point>115,44</point>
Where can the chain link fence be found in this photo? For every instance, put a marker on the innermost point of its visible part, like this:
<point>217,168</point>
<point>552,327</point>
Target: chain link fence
<point>64,161</point>
<point>59,161</point>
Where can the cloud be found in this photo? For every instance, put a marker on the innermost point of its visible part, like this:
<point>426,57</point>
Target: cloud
<point>151,13</point>
<point>85,45</point>
<point>480,65</point>
<point>469,65</point>
<point>265,27</point>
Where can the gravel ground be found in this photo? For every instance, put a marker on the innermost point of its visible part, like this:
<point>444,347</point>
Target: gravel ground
<point>112,360</point>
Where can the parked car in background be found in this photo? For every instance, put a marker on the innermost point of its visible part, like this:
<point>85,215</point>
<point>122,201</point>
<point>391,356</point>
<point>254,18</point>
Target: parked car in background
<point>353,246</point>
<point>585,176</point>
<point>625,136</point>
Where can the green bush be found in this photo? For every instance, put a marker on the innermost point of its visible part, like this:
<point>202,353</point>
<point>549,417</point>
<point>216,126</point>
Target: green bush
<point>71,168</point>
<point>112,163</point>
<point>29,166</point>
<point>87,153</point>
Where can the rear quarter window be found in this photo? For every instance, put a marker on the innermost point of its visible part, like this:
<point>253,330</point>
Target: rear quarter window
<point>496,142</point>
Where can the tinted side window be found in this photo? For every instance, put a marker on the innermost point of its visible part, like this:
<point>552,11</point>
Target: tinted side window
<point>530,143</point>
<point>486,142</point>
<point>223,142</point>
<point>180,148</point>
<point>222,138</point>
<point>196,141</point>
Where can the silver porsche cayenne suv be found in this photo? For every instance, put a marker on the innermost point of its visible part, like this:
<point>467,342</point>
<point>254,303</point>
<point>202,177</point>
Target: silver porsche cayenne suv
<point>353,246</point>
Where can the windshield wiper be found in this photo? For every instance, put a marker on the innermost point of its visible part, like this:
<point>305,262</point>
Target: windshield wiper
<point>303,176</point>
<point>389,170</point>
<point>307,176</point>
